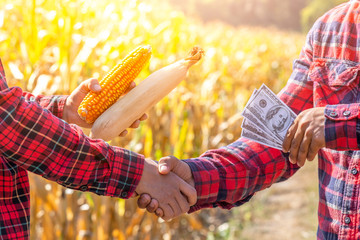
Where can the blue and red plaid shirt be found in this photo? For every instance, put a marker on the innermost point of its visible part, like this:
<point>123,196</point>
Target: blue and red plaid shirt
<point>327,74</point>
<point>34,138</point>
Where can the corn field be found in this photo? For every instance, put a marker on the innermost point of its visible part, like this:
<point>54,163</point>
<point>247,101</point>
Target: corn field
<point>50,47</point>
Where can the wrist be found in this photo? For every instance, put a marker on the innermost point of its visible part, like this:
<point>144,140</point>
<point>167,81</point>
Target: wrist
<point>149,168</point>
<point>190,180</point>
<point>65,116</point>
<point>68,111</point>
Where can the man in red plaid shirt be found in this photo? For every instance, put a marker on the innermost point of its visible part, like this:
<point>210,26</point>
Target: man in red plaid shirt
<point>324,90</point>
<point>34,138</point>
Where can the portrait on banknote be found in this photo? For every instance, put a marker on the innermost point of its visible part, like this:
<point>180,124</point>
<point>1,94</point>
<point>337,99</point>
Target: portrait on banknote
<point>278,118</point>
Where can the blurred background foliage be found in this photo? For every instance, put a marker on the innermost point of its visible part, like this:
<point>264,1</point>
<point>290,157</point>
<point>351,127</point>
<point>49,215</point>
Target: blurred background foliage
<point>49,47</point>
<point>298,15</point>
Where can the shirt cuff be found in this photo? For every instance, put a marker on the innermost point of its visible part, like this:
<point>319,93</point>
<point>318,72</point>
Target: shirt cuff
<point>126,171</point>
<point>340,126</point>
<point>207,183</point>
<point>55,104</point>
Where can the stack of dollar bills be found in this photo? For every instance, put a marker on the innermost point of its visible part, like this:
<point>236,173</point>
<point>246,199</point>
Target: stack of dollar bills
<point>266,118</point>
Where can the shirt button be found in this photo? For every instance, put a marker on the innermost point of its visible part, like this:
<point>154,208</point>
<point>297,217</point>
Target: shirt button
<point>347,220</point>
<point>83,188</point>
<point>333,114</point>
<point>124,194</point>
<point>346,113</point>
<point>354,171</point>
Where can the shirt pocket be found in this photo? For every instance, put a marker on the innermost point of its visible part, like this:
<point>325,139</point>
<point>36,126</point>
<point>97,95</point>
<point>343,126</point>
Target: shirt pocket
<point>335,82</point>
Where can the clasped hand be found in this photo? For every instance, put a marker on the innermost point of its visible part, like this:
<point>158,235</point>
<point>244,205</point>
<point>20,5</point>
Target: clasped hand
<point>171,166</point>
<point>171,194</point>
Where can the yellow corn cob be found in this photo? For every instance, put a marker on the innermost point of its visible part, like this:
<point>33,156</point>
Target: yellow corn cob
<point>114,84</point>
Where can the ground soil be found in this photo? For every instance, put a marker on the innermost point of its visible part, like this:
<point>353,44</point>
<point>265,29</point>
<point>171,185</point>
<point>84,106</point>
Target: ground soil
<point>288,210</point>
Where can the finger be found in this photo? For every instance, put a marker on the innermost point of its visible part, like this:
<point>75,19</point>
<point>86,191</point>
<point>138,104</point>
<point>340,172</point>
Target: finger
<point>143,117</point>
<point>175,205</point>
<point>289,137</point>
<point>144,200</point>
<point>93,85</point>
<point>295,145</point>
<point>135,194</point>
<point>159,212</point>
<point>189,192</point>
<point>304,148</point>
<point>135,124</point>
<point>183,204</point>
<point>131,86</point>
<point>123,133</point>
<point>313,150</point>
<point>168,212</point>
<point>154,204</point>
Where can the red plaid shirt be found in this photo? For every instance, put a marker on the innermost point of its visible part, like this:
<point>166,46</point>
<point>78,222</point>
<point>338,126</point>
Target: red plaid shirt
<point>327,74</point>
<point>34,138</point>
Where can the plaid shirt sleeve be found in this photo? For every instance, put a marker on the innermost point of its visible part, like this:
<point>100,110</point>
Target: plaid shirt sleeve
<point>231,175</point>
<point>36,140</point>
<point>55,104</point>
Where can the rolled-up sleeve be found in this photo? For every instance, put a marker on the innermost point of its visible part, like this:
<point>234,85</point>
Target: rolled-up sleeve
<point>55,104</point>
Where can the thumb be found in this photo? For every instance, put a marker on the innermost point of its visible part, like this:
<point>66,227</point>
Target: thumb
<point>167,164</point>
<point>176,166</point>
<point>91,84</point>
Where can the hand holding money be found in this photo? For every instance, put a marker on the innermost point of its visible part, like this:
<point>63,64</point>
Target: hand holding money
<point>306,136</point>
<point>268,121</point>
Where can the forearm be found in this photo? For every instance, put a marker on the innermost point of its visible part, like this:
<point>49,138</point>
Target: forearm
<point>230,176</point>
<point>37,141</point>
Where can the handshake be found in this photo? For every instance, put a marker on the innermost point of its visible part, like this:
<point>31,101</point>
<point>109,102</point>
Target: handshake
<point>166,188</point>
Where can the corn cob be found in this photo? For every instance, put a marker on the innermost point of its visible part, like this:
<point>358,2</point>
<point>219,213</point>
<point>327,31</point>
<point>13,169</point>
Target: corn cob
<point>149,91</point>
<point>114,84</point>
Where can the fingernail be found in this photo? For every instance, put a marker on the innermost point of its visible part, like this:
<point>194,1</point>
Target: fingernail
<point>123,134</point>
<point>97,87</point>
<point>163,168</point>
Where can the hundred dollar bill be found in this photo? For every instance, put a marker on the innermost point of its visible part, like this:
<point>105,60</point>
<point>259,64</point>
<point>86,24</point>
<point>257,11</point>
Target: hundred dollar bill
<point>248,125</point>
<point>267,111</point>
<point>256,138</point>
<point>252,119</point>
